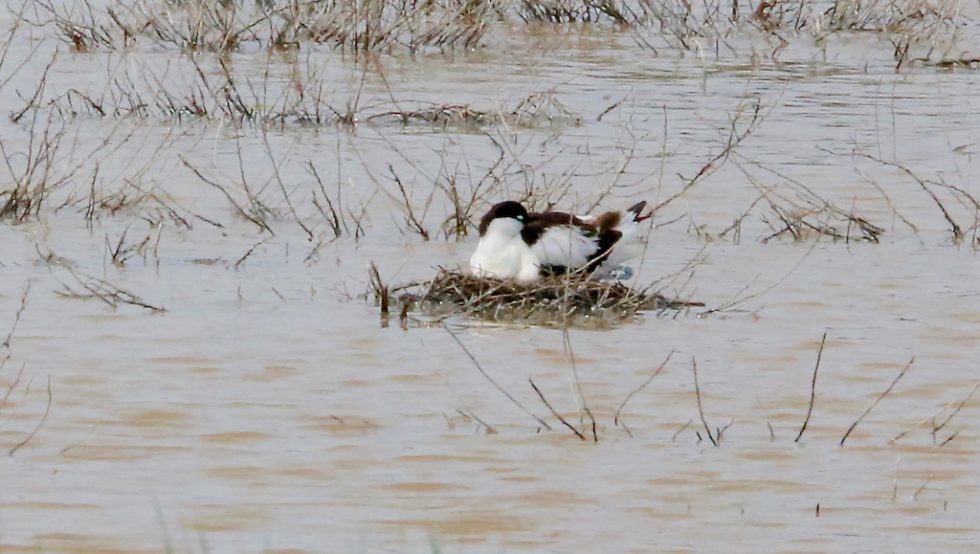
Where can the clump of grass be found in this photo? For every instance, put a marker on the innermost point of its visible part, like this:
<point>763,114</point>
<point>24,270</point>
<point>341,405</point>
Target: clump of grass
<point>551,301</point>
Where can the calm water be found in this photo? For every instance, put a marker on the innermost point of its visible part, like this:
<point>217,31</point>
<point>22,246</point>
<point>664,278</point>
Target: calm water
<point>268,410</point>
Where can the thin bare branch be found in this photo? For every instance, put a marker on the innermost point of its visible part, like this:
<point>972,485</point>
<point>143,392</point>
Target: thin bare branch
<point>697,393</point>
<point>491,379</point>
<point>813,389</point>
<point>47,409</point>
<point>877,400</point>
<point>641,387</point>
<point>555,413</point>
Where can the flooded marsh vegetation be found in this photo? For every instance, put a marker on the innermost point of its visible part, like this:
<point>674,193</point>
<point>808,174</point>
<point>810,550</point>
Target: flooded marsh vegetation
<point>200,203</point>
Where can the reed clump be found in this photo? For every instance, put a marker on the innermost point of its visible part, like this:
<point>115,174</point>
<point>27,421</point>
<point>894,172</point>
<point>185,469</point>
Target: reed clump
<point>408,26</point>
<point>359,26</point>
<point>539,110</point>
<point>198,89</point>
<point>575,298</point>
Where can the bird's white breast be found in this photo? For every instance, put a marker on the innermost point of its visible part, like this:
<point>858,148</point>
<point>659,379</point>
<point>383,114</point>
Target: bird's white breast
<point>502,253</point>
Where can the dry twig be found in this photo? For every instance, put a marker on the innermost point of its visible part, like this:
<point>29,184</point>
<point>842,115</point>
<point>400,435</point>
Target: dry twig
<point>813,390</point>
<point>697,393</point>
<point>493,382</point>
<point>877,400</point>
<point>553,412</point>
<point>641,387</point>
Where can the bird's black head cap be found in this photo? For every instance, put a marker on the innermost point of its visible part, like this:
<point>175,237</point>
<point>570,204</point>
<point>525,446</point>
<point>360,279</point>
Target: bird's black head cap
<point>509,209</point>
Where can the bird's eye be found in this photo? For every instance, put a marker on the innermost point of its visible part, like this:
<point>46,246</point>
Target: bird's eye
<point>520,218</point>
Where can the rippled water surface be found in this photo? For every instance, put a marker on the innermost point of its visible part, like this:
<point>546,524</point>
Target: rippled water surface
<point>265,407</point>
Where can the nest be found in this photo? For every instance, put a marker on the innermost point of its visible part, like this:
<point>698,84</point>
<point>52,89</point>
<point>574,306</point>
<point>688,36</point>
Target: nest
<point>555,300</point>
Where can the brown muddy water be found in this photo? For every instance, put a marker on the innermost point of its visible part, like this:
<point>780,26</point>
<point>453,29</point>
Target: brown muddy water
<point>268,410</point>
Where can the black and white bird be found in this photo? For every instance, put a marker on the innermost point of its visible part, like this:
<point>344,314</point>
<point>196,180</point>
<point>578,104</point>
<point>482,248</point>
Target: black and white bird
<point>515,244</point>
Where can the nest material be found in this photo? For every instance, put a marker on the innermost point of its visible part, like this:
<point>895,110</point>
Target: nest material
<point>550,300</point>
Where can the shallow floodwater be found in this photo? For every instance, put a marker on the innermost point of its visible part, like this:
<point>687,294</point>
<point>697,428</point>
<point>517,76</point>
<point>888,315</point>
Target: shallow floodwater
<point>267,409</point>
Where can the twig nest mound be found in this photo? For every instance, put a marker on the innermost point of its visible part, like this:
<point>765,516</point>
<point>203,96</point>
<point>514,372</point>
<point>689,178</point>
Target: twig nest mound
<point>556,300</point>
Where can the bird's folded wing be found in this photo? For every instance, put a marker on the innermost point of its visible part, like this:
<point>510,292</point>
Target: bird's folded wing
<point>565,246</point>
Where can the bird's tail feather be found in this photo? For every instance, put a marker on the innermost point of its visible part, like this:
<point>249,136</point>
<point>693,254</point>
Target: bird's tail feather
<point>630,243</point>
<point>637,211</point>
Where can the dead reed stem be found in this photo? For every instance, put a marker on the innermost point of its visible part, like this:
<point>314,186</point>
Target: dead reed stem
<point>813,389</point>
<point>99,289</point>
<point>923,487</point>
<point>742,296</point>
<point>282,186</point>
<point>877,400</point>
<point>493,382</point>
<point>697,393</point>
<point>949,438</point>
<point>735,137</point>
<point>642,386</point>
<point>805,212</point>
<point>381,293</point>
<point>720,432</point>
<point>673,438</point>
<point>959,407</point>
<point>954,227</point>
<point>17,19</point>
<point>468,414</point>
<point>10,389</point>
<point>336,219</point>
<point>920,423</point>
<point>258,220</point>
<point>555,413</point>
<point>251,249</point>
<point>47,410</point>
<point>567,346</point>
<point>932,418</point>
<point>20,310</point>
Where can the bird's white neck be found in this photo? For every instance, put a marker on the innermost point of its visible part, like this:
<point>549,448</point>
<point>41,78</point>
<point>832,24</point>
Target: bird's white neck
<point>503,229</point>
